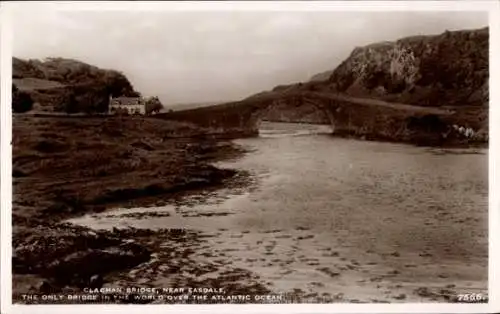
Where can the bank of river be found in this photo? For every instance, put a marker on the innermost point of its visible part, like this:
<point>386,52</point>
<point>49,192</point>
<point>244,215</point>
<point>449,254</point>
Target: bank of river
<point>67,167</point>
<point>327,220</point>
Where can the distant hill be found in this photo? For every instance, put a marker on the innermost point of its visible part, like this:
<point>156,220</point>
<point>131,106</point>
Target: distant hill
<point>323,76</point>
<point>186,106</point>
<point>56,83</point>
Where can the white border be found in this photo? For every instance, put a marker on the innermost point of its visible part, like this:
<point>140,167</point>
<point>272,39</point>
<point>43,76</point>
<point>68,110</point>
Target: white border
<point>493,162</point>
<point>6,159</point>
<point>7,10</point>
<point>452,5</point>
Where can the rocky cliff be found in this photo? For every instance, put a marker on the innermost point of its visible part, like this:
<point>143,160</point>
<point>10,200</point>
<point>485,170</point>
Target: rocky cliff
<point>58,84</point>
<point>448,70</point>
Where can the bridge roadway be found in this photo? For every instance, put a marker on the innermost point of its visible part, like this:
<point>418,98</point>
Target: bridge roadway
<point>380,103</point>
<point>344,112</point>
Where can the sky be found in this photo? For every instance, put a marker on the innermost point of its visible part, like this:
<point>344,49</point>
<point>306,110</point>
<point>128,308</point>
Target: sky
<point>199,57</point>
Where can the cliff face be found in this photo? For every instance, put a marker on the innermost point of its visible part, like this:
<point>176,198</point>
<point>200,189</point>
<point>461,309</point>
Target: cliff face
<point>450,69</point>
<point>59,84</point>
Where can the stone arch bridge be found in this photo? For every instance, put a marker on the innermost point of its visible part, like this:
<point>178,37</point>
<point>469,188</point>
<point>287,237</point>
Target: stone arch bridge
<point>366,118</point>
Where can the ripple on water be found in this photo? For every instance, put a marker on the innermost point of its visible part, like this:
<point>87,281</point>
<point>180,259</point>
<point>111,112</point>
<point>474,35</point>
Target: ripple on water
<point>332,215</point>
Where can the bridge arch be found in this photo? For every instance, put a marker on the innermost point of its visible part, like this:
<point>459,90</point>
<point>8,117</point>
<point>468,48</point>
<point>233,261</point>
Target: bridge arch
<point>291,100</point>
<point>358,117</point>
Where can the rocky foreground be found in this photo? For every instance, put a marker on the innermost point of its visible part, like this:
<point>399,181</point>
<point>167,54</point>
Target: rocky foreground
<point>66,167</point>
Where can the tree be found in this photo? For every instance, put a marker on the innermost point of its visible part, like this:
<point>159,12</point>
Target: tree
<point>153,105</point>
<point>118,85</point>
<point>71,104</point>
<point>21,101</point>
<point>87,88</point>
<point>87,98</point>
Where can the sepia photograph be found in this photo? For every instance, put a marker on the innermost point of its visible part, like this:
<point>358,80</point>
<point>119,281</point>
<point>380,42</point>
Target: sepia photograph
<point>248,156</point>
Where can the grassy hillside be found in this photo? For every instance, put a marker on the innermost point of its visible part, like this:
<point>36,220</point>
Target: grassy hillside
<point>57,83</point>
<point>323,76</point>
<point>30,84</point>
<point>69,166</point>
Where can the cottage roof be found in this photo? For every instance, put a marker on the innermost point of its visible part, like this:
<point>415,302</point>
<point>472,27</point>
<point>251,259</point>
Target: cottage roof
<point>126,101</point>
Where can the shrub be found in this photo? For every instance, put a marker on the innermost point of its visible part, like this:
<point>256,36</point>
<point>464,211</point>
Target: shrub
<point>153,105</point>
<point>21,101</point>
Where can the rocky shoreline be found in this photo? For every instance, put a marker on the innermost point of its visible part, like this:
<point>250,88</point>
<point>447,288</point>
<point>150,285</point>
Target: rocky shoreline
<point>423,141</point>
<point>56,177</point>
<point>68,168</point>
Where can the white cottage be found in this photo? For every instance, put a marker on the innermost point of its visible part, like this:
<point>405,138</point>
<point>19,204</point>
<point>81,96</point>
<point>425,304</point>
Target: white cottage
<point>128,105</point>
